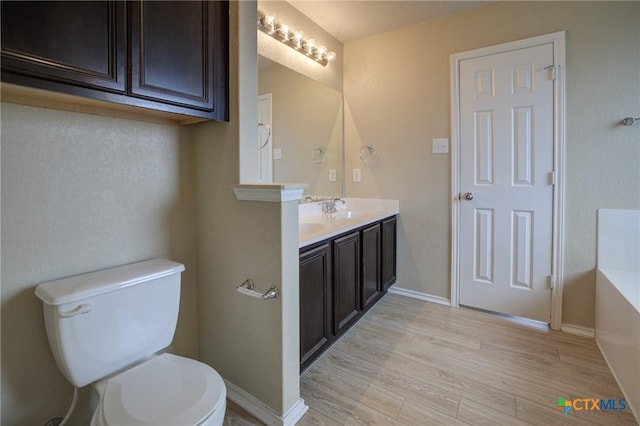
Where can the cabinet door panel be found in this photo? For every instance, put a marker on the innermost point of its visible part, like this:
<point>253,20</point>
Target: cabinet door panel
<point>315,303</point>
<point>389,235</point>
<point>346,281</point>
<point>371,288</point>
<point>171,55</point>
<point>79,42</point>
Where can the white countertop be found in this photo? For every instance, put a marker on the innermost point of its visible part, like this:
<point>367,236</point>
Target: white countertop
<point>315,226</point>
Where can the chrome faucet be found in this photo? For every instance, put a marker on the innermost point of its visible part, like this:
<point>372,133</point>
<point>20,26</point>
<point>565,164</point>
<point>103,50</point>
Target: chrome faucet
<point>335,200</point>
<point>329,206</point>
<point>310,199</point>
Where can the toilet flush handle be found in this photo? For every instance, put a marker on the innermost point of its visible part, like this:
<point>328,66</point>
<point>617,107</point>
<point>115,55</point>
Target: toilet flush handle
<point>81,309</point>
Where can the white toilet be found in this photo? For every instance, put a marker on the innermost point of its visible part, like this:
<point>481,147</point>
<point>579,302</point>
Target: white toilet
<point>106,327</point>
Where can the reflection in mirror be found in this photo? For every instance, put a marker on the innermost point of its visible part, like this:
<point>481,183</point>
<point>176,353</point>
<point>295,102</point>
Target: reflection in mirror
<point>306,122</point>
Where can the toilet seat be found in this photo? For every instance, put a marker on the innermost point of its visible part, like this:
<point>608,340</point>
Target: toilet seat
<point>166,390</point>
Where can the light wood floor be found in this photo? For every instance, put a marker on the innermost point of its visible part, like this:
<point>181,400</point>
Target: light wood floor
<point>409,362</point>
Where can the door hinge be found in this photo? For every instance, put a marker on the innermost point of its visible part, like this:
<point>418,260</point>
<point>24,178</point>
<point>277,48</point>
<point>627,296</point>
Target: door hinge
<point>554,71</point>
<point>552,178</point>
<point>552,281</point>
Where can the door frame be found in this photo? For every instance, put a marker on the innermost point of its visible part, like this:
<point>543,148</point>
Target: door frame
<point>265,158</point>
<point>557,255</point>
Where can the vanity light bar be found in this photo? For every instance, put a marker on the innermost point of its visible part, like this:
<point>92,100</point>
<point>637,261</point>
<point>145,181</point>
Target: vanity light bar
<point>268,24</point>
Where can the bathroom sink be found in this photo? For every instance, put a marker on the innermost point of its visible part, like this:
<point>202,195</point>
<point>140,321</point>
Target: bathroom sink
<point>350,214</point>
<point>334,221</point>
<point>316,223</point>
<point>309,227</point>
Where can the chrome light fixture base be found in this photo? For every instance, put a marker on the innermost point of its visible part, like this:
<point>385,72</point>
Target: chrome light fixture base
<point>268,24</point>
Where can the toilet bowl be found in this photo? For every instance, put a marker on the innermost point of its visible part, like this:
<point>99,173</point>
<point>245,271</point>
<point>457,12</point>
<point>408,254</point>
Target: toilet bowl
<point>166,390</point>
<point>107,328</point>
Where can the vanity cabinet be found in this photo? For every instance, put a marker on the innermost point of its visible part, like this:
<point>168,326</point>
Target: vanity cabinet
<point>346,281</point>
<point>388,256</point>
<point>169,56</point>
<point>340,279</point>
<point>315,301</point>
<point>371,267</point>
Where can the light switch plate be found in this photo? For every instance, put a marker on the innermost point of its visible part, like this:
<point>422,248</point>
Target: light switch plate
<point>277,153</point>
<point>440,146</point>
<point>357,175</point>
<point>332,175</point>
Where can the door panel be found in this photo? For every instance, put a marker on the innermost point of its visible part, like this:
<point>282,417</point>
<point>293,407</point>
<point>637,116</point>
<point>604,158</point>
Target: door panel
<point>161,67</point>
<point>506,157</point>
<point>346,281</point>
<point>389,251</point>
<point>371,289</point>
<point>484,245</point>
<point>483,147</point>
<point>76,42</point>
<point>315,303</point>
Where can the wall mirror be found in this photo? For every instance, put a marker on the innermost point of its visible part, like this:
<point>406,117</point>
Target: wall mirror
<point>306,122</point>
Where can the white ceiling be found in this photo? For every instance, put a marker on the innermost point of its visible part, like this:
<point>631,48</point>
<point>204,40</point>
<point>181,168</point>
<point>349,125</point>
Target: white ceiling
<point>349,20</point>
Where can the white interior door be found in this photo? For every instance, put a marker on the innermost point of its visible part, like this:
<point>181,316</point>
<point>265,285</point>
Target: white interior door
<point>265,140</point>
<point>506,181</point>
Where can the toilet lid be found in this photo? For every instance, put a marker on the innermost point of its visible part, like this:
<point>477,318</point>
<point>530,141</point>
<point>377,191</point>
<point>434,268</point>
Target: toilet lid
<point>166,390</point>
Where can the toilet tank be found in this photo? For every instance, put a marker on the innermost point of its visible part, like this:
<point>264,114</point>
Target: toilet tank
<point>101,322</point>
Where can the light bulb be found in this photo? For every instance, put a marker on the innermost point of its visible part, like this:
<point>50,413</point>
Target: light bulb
<point>284,31</point>
<point>270,21</point>
<point>297,39</point>
<point>320,52</point>
<point>331,56</point>
<point>291,38</point>
<point>310,46</point>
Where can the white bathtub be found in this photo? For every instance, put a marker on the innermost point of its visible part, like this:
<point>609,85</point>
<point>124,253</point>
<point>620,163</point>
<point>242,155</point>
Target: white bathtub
<point>618,299</point>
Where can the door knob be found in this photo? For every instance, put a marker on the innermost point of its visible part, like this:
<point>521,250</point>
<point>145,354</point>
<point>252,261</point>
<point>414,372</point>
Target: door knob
<point>468,196</point>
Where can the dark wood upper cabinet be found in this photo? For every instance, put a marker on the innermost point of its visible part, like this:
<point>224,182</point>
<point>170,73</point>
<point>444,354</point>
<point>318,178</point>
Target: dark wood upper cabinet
<point>81,43</point>
<point>170,56</point>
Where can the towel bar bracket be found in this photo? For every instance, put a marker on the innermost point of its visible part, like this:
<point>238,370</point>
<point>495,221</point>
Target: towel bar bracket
<point>247,287</point>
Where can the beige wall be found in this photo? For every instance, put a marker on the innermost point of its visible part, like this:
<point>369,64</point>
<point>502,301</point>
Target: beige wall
<point>253,344</point>
<point>81,193</point>
<point>306,115</point>
<point>397,97</point>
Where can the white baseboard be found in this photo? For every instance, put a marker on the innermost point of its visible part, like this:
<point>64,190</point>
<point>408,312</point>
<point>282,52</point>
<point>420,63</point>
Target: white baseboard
<point>578,330</point>
<point>263,412</point>
<point>420,296</point>
<point>295,413</point>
